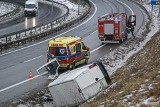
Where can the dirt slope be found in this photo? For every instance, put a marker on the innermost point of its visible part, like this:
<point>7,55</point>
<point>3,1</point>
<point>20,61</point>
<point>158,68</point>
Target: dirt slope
<point>137,83</point>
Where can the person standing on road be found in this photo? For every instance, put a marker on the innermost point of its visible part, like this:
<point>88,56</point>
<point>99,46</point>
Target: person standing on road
<point>130,28</point>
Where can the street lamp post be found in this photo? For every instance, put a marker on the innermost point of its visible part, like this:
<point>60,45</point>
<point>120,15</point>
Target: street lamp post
<point>159,9</point>
<point>78,6</point>
<point>52,14</point>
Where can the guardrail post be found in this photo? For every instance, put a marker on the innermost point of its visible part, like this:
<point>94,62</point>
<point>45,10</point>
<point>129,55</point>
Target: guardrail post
<point>6,39</point>
<point>16,35</point>
<point>6,47</point>
<point>43,32</point>
<point>35,30</point>
<point>40,29</point>
<point>18,43</point>
<point>1,48</point>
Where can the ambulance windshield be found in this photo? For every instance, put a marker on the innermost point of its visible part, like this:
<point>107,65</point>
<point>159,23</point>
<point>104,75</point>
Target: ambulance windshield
<point>58,51</point>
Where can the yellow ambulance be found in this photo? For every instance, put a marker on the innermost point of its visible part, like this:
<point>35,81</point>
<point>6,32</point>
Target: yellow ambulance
<point>70,51</point>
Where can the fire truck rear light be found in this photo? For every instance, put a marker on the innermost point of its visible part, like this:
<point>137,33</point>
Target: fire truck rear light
<point>116,31</point>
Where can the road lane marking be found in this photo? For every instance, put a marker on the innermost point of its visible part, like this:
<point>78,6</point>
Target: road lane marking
<point>33,58</point>
<point>40,43</point>
<point>55,36</point>
<point>36,75</point>
<point>47,40</point>
<point>97,48</point>
<point>18,83</point>
<point>127,7</point>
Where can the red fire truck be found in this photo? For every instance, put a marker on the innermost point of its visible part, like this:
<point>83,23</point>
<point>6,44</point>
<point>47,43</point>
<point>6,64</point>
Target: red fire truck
<point>114,28</point>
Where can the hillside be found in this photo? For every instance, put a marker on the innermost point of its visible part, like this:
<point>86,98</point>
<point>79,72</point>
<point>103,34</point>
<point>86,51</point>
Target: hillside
<point>134,69</point>
<point>137,82</point>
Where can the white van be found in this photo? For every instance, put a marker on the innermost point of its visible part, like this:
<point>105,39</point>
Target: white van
<point>77,86</point>
<point>31,7</point>
<point>74,87</point>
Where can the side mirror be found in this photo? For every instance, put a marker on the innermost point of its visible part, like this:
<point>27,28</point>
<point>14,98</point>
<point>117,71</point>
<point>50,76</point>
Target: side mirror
<point>132,20</point>
<point>87,48</point>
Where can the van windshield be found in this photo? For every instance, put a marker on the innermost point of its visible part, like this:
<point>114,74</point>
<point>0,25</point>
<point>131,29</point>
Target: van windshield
<point>58,51</point>
<point>30,6</point>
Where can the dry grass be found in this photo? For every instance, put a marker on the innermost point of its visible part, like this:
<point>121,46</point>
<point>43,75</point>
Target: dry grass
<point>142,69</point>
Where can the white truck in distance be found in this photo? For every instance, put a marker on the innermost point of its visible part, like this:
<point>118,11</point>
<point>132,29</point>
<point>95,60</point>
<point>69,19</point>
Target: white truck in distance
<point>31,8</point>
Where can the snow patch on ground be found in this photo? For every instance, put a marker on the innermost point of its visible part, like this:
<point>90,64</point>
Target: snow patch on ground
<point>73,8</point>
<point>6,8</point>
<point>118,57</point>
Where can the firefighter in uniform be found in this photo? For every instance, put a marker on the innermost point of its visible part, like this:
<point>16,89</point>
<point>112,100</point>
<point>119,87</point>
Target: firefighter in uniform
<point>130,28</point>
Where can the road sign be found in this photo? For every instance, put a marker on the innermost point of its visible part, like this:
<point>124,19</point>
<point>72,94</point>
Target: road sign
<point>155,2</point>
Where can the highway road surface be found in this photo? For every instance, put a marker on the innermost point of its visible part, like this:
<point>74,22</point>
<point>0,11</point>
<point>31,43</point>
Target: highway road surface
<point>15,65</point>
<point>43,17</point>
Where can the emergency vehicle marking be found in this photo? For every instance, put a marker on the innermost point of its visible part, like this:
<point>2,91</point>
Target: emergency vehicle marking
<point>61,45</point>
<point>62,50</point>
<point>69,51</point>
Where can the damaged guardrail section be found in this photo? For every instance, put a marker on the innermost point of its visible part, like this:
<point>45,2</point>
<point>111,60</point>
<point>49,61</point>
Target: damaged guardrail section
<point>19,38</point>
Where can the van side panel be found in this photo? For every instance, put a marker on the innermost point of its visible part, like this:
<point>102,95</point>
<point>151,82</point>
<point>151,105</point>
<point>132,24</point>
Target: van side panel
<point>66,94</point>
<point>85,81</point>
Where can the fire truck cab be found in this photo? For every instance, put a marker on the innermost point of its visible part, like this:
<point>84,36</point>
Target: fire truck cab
<point>69,51</point>
<point>113,28</point>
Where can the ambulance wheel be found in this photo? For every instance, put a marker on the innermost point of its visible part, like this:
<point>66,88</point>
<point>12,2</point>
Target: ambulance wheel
<point>86,62</point>
<point>72,66</point>
<point>102,43</point>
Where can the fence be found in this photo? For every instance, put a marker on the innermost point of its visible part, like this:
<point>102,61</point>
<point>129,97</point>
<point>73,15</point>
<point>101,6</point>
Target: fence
<point>31,34</point>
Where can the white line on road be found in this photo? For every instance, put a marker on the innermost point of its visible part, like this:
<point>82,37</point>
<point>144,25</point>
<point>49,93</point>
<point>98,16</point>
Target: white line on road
<point>55,36</point>
<point>36,75</point>
<point>33,58</point>
<point>47,40</point>
<point>40,43</point>
<point>127,7</point>
<point>18,83</point>
<point>97,48</point>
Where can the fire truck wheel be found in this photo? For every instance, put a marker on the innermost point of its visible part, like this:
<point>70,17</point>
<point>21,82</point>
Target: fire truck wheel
<point>126,37</point>
<point>121,41</point>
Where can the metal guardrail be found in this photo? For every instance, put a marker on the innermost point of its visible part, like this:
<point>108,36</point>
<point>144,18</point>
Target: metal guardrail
<point>19,38</point>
